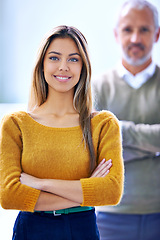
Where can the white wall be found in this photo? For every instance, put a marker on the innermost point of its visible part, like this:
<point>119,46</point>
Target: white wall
<point>24,22</point>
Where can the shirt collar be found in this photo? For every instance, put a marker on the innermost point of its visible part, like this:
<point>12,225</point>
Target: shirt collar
<point>136,81</point>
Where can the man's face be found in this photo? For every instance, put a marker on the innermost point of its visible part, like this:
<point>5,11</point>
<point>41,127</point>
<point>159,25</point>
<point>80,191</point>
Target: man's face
<point>136,34</point>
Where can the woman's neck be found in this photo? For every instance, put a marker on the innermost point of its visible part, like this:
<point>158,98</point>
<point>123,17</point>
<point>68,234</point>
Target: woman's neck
<point>56,112</point>
<point>59,104</point>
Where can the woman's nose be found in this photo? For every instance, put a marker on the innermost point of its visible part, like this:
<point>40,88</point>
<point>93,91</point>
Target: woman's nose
<point>63,66</point>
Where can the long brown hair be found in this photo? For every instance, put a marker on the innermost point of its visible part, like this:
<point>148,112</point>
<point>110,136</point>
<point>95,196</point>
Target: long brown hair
<point>82,95</point>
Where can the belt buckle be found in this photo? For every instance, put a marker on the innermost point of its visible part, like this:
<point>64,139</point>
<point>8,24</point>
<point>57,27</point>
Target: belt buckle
<point>56,214</point>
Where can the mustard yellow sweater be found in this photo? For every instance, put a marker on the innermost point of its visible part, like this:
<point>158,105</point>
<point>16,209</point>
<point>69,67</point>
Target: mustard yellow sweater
<point>58,153</point>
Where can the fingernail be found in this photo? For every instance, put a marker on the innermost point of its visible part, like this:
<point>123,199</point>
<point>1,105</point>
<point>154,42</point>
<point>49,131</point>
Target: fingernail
<point>103,160</point>
<point>110,160</point>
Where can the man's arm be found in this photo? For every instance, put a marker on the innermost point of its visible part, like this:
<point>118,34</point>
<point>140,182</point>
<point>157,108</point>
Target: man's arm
<point>140,140</point>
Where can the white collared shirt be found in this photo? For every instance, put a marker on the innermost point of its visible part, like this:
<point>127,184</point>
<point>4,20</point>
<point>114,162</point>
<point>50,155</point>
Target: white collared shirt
<point>136,81</point>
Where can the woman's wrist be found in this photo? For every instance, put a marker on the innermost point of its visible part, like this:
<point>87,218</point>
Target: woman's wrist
<point>46,185</point>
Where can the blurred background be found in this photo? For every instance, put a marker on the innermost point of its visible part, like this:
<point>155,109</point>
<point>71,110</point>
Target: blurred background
<point>23,24</point>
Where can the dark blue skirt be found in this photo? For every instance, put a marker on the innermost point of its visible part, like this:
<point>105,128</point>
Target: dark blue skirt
<point>45,226</point>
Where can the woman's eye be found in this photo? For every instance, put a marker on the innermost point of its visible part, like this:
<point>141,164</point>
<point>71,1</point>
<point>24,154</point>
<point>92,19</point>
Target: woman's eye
<point>54,58</point>
<point>73,60</point>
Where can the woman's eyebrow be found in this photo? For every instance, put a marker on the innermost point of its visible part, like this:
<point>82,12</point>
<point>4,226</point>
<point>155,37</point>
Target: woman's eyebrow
<point>58,53</point>
<point>74,54</point>
<point>54,53</point>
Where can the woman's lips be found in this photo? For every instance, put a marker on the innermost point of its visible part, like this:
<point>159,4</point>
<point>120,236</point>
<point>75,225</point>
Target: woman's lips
<point>62,78</point>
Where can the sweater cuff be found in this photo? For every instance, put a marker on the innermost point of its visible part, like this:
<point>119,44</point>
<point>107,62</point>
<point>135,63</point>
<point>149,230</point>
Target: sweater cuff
<point>31,200</point>
<point>88,190</point>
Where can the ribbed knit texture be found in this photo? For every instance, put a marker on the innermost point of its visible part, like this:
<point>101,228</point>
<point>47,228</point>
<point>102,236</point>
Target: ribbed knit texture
<point>139,110</point>
<point>58,153</point>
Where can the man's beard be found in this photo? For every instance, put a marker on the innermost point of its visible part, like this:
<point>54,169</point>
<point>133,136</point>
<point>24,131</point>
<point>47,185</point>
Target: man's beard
<point>138,61</point>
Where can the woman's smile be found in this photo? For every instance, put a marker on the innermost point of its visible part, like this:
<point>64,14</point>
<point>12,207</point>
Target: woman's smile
<point>62,78</point>
<point>62,65</point>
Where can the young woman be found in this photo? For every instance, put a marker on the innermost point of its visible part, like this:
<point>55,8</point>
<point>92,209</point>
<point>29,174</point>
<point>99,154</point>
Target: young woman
<point>59,160</point>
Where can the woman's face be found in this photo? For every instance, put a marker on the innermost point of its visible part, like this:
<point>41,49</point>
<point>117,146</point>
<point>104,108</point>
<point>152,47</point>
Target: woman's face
<point>62,65</point>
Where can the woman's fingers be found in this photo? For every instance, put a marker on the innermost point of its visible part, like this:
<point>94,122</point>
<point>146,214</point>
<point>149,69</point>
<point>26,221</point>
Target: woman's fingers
<point>29,180</point>
<point>105,170</point>
<point>102,169</point>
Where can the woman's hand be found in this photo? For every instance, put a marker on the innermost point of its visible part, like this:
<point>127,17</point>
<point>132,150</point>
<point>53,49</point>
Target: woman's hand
<point>30,181</point>
<point>102,169</point>
<point>67,189</point>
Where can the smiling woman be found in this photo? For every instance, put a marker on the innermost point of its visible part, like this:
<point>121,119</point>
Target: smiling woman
<point>60,159</point>
<point>62,64</point>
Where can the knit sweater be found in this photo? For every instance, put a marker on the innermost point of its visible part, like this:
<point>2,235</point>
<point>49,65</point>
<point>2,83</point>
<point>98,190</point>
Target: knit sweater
<point>139,113</point>
<point>58,153</point>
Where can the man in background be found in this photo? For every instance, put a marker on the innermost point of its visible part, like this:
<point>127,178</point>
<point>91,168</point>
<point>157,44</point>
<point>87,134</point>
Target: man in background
<point>132,92</point>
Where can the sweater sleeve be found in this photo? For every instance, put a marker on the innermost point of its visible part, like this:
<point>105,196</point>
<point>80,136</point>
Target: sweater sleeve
<point>106,190</point>
<point>14,195</point>
<point>140,140</point>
